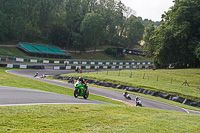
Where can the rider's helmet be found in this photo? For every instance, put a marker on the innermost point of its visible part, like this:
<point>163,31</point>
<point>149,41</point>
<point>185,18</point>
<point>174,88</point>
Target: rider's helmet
<point>137,98</point>
<point>80,78</point>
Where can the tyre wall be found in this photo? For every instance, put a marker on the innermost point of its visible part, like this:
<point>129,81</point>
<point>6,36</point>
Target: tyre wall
<point>140,90</point>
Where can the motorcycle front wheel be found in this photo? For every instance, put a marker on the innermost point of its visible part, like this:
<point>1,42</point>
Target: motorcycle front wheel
<point>76,93</point>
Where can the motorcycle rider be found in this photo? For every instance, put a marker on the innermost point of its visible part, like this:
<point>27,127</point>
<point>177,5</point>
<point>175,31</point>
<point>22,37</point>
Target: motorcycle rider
<point>36,74</point>
<point>71,80</point>
<point>80,79</point>
<point>126,93</point>
<point>138,101</point>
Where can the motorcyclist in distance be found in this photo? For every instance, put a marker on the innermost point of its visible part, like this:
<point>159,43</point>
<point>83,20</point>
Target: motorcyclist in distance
<point>36,74</point>
<point>126,95</point>
<point>137,99</point>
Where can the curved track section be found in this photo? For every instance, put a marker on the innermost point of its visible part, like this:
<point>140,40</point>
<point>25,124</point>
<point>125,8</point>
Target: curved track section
<point>18,96</point>
<point>98,91</point>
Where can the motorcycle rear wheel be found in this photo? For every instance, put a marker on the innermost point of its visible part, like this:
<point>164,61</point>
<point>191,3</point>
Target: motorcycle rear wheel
<point>129,98</point>
<point>86,95</point>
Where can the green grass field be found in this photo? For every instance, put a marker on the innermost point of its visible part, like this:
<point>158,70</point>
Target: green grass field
<point>114,117</point>
<point>95,118</point>
<point>169,81</point>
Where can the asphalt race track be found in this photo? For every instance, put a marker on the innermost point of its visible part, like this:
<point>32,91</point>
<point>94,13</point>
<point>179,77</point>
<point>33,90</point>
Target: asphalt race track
<point>12,95</point>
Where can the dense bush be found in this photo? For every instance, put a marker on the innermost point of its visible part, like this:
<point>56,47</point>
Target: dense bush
<point>110,51</point>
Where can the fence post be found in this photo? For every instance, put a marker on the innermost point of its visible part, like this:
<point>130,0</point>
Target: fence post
<point>143,75</point>
<point>97,72</point>
<point>198,85</point>
<point>171,80</point>
<point>131,75</point>
<point>157,77</point>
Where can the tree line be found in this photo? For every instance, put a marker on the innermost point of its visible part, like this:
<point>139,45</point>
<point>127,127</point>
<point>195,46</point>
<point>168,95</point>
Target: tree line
<point>82,24</point>
<point>79,24</point>
<point>177,40</point>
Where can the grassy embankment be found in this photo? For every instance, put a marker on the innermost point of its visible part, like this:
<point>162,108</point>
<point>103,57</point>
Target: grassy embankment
<point>87,118</point>
<point>14,52</point>
<point>165,77</point>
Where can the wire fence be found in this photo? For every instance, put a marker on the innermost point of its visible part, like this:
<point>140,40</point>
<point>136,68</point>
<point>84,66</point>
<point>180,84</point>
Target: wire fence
<point>189,81</point>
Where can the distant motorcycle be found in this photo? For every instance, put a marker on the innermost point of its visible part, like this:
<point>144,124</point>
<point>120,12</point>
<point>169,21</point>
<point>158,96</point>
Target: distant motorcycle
<point>126,95</point>
<point>71,80</point>
<point>35,75</point>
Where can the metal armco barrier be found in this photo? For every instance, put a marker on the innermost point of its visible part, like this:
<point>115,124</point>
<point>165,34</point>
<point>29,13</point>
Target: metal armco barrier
<point>77,61</point>
<point>101,67</point>
<point>22,66</point>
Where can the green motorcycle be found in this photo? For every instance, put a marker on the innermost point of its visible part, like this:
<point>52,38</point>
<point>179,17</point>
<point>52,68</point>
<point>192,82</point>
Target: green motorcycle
<point>80,90</point>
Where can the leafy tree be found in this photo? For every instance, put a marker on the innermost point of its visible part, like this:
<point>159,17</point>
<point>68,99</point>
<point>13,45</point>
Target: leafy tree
<point>37,21</point>
<point>149,45</point>
<point>3,26</point>
<point>74,16</point>
<point>135,30</point>
<point>78,42</point>
<point>177,38</point>
<point>58,35</point>
<point>197,51</point>
<point>92,29</point>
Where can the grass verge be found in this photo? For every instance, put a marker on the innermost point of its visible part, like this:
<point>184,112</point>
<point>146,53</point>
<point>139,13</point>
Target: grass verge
<point>12,51</point>
<point>95,118</point>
